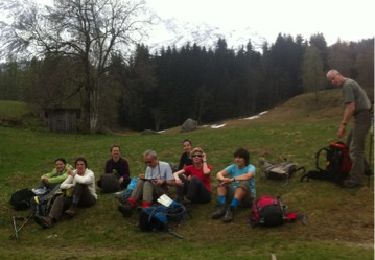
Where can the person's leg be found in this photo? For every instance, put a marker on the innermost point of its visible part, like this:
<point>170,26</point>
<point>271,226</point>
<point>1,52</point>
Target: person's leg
<point>357,147</point>
<point>58,206</point>
<point>197,192</point>
<point>86,199</point>
<point>80,192</point>
<point>222,191</point>
<point>148,194</point>
<point>239,193</point>
<point>136,194</point>
<point>131,202</point>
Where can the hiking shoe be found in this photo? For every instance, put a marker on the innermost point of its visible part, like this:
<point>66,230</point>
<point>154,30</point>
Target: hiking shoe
<point>72,211</point>
<point>229,215</point>
<point>125,209</point>
<point>44,222</point>
<point>221,210</point>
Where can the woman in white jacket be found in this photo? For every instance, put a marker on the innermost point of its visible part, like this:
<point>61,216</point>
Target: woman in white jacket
<point>82,182</point>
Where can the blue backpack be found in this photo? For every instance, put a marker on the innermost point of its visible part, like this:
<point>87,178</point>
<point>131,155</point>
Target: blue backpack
<point>156,218</point>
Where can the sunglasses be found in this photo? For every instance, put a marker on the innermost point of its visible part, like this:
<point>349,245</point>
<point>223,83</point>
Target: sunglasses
<point>196,155</point>
<point>147,162</point>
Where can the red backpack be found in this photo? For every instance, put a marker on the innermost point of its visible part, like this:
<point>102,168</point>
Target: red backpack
<point>337,165</point>
<point>268,211</point>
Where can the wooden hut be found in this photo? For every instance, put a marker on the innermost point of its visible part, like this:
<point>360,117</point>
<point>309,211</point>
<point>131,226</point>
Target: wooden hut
<point>62,120</point>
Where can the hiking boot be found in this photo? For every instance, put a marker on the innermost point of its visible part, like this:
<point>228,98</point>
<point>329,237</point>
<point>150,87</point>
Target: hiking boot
<point>72,211</point>
<point>125,209</point>
<point>220,211</point>
<point>44,222</point>
<point>229,215</point>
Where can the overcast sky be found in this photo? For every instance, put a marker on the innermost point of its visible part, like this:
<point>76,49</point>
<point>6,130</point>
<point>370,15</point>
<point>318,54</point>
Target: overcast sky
<point>347,20</point>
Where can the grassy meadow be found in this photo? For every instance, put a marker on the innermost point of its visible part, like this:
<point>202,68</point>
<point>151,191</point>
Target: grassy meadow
<point>340,221</point>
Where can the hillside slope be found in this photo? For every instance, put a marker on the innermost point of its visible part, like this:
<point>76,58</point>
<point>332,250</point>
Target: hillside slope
<point>341,222</point>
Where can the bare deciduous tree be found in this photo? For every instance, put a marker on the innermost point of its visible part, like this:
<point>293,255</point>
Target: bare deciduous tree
<point>89,30</point>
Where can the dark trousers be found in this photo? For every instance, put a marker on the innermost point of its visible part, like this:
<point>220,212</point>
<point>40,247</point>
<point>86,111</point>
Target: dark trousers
<point>194,190</point>
<point>80,193</point>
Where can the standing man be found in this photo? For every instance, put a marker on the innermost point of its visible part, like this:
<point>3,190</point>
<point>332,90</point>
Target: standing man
<point>358,106</point>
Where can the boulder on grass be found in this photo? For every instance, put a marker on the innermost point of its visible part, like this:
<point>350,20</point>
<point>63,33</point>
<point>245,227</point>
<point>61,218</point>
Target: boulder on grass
<point>189,125</point>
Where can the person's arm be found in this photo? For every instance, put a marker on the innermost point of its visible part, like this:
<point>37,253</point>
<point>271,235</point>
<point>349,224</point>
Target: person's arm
<point>243,177</point>
<point>206,169</point>
<point>220,176</point>
<point>48,175</point>
<point>87,178</point>
<point>68,183</point>
<point>176,176</point>
<point>169,176</point>
<point>108,167</point>
<point>59,178</point>
<point>348,114</point>
<point>182,162</point>
<point>124,171</point>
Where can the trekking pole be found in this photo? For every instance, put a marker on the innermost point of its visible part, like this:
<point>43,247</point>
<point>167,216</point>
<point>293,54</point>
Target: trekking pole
<point>370,159</point>
<point>171,232</point>
<point>15,228</point>
<point>20,227</point>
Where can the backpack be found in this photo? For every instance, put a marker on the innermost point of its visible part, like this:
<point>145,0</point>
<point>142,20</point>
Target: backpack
<point>338,164</point>
<point>20,200</point>
<point>156,218</point>
<point>109,183</point>
<point>268,211</point>
<point>41,204</point>
<point>280,171</point>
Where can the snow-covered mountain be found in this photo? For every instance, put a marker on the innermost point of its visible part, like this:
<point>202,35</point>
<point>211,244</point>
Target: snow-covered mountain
<point>174,33</point>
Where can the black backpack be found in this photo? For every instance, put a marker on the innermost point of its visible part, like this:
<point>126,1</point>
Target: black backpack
<point>338,164</point>
<point>21,199</point>
<point>109,183</point>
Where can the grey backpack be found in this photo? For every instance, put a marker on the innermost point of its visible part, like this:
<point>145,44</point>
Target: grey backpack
<point>280,171</point>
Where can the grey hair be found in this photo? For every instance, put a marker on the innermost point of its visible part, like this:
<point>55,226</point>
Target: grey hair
<point>332,72</point>
<point>151,153</point>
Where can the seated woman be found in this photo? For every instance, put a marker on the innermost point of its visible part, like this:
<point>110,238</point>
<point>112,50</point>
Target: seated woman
<point>185,159</point>
<point>53,178</point>
<point>118,166</point>
<point>193,181</point>
<point>82,182</point>
<point>236,183</point>
<point>152,184</point>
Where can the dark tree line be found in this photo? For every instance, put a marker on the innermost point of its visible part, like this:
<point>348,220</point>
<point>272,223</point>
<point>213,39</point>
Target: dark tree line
<point>207,84</point>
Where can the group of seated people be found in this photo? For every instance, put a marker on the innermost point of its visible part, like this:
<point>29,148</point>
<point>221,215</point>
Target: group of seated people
<point>192,183</point>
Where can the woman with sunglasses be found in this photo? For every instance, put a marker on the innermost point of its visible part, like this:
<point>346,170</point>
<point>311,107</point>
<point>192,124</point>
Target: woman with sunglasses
<point>193,181</point>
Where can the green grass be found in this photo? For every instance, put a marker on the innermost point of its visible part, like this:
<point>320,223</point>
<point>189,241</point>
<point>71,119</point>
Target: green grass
<point>340,221</point>
<point>13,109</point>
<point>18,114</point>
